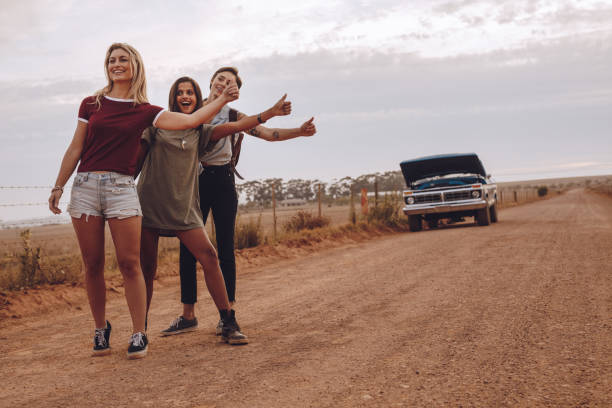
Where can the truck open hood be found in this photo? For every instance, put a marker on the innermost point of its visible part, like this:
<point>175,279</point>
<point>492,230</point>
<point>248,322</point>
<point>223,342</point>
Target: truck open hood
<point>441,165</point>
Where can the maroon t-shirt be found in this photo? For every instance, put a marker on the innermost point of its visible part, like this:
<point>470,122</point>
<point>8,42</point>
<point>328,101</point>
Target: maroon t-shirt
<point>113,133</point>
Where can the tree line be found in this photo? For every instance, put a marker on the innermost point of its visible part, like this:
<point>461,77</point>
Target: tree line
<point>259,192</point>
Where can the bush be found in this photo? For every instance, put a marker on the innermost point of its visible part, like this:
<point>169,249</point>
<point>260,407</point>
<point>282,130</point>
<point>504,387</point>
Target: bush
<point>29,261</point>
<point>248,234</point>
<point>387,212</point>
<point>304,220</point>
<point>542,191</point>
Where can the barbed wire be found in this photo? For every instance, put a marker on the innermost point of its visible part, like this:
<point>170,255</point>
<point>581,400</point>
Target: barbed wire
<point>22,204</point>
<point>27,187</point>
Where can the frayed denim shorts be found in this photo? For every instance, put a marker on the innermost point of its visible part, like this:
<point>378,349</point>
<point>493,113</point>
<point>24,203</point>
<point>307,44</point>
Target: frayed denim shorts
<point>108,195</point>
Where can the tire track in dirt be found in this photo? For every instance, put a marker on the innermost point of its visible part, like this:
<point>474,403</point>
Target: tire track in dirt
<point>515,314</point>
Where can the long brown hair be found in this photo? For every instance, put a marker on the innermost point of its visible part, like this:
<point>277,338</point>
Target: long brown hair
<point>138,86</point>
<point>173,105</point>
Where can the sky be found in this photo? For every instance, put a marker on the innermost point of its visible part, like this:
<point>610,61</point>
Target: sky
<point>526,84</point>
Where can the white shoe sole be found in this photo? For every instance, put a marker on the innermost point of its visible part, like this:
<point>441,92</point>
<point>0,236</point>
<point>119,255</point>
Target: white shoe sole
<point>187,330</point>
<point>138,354</point>
<point>235,342</point>
<point>100,353</point>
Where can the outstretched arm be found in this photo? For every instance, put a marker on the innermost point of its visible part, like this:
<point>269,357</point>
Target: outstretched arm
<point>69,162</point>
<point>308,128</point>
<point>280,108</point>
<point>179,121</point>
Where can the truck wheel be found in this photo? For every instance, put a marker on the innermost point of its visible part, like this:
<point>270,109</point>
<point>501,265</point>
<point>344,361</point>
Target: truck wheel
<point>494,213</point>
<point>416,223</point>
<point>432,224</point>
<point>483,216</point>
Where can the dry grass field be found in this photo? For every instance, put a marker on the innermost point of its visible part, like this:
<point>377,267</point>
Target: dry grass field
<point>59,252</point>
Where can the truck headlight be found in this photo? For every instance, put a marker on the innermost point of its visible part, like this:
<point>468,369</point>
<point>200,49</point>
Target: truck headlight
<point>409,200</point>
<point>475,193</point>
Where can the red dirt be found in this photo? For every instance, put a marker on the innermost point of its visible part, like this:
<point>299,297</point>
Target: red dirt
<point>514,314</point>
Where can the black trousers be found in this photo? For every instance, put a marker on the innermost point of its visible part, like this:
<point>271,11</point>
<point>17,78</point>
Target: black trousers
<point>217,192</point>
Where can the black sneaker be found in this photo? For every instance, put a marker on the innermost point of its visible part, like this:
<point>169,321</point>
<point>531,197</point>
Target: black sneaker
<point>231,331</point>
<point>219,328</point>
<point>180,325</point>
<point>138,346</point>
<point>101,341</point>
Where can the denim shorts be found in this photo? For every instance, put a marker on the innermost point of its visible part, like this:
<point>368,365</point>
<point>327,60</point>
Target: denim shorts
<point>108,195</point>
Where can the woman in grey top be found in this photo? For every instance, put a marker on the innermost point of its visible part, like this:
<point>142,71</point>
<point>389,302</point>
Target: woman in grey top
<point>168,193</point>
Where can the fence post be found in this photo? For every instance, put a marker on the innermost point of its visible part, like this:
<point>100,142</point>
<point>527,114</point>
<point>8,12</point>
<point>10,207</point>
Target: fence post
<point>274,211</point>
<point>352,214</point>
<point>376,192</point>
<point>515,196</point>
<point>319,200</point>
<point>364,201</point>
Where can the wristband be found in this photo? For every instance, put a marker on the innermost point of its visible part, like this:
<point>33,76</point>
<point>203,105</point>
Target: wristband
<point>56,188</point>
<point>259,119</point>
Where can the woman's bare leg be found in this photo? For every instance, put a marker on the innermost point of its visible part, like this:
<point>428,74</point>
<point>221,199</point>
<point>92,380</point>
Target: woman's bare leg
<point>90,234</point>
<point>203,250</point>
<point>149,241</point>
<point>126,237</point>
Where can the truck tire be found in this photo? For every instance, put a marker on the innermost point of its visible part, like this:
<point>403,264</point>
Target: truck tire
<point>415,222</point>
<point>483,216</point>
<point>432,224</point>
<point>494,213</point>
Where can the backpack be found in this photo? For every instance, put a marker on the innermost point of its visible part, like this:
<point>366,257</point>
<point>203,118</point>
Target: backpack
<point>236,144</point>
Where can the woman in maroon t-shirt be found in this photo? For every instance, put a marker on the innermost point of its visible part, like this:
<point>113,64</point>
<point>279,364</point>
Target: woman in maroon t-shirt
<point>106,142</point>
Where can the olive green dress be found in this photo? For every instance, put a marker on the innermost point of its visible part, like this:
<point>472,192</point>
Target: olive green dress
<point>168,183</point>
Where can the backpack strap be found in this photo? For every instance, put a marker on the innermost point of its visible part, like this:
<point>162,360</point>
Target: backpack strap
<point>236,143</point>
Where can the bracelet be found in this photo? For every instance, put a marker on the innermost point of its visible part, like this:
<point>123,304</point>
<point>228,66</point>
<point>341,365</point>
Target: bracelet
<point>259,119</point>
<point>56,188</point>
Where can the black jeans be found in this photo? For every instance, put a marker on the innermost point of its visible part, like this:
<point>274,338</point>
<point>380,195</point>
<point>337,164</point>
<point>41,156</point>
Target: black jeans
<point>217,192</point>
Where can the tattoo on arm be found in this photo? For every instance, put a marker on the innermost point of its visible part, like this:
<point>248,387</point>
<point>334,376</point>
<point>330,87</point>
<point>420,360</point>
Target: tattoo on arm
<point>254,132</point>
<point>275,135</point>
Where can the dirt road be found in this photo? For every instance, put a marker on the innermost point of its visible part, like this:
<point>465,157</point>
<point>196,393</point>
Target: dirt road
<point>515,314</point>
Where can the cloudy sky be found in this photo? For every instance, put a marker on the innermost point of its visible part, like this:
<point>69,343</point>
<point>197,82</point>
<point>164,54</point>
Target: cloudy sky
<point>525,84</point>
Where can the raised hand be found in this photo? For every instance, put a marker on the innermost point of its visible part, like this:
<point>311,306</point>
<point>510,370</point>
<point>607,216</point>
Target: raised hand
<point>308,128</point>
<point>282,107</point>
<point>231,92</point>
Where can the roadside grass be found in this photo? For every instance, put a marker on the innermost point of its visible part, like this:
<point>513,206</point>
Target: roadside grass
<point>27,262</point>
<point>304,220</point>
<point>31,267</point>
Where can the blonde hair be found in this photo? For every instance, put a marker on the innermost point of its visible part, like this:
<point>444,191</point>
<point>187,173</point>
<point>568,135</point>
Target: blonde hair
<point>138,87</point>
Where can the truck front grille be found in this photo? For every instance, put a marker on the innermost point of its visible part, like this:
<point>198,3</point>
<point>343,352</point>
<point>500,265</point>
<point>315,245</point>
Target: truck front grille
<point>457,195</point>
<point>427,198</point>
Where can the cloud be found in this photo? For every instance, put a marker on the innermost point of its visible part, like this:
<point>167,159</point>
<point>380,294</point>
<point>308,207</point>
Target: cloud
<point>517,103</point>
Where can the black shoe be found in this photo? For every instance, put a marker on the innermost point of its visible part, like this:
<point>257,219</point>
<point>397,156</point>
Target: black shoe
<point>101,341</point>
<point>219,328</point>
<point>180,325</point>
<point>138,346</point>
<point>231,331</point>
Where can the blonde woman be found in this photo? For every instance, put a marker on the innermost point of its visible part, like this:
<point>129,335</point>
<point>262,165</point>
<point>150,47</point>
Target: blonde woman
<point>105,145</point>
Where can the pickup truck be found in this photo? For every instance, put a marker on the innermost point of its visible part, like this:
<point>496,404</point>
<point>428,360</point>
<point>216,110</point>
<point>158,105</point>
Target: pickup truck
<point>449,186</point>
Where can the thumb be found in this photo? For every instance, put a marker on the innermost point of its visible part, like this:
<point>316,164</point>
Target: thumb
<point>309,121</point>
<point>283,98</point>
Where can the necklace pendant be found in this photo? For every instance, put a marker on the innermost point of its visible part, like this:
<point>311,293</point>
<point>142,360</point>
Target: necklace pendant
<point>183,144</point>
